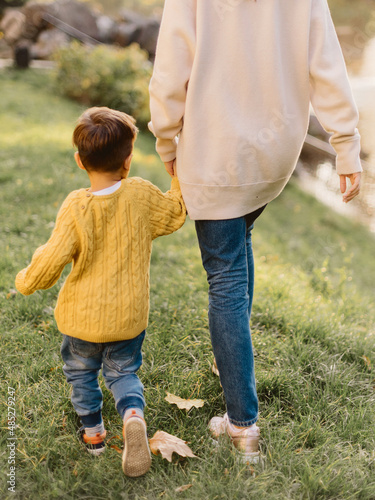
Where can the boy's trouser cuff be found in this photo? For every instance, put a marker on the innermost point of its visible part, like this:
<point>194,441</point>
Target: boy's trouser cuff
<point>129,402</point>
<point>91,420</point>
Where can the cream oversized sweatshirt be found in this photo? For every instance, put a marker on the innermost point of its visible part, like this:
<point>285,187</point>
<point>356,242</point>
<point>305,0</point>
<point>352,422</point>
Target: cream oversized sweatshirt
<point>230,96</point>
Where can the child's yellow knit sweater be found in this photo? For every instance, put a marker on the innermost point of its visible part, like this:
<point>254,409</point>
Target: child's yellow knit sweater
<point>108,239</point>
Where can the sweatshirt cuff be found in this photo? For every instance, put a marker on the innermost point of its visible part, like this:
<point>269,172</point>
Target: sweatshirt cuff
<point>348,157</point>
<point>20,284</point>
<point>166,148</point>
<point>344,168</point>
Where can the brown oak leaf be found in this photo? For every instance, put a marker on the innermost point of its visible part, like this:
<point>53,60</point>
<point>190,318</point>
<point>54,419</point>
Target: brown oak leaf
<point>183,488</point>
<point>184,404</point>
<point>12,293</point>
<point>166,444</point>
<point>367,362</point>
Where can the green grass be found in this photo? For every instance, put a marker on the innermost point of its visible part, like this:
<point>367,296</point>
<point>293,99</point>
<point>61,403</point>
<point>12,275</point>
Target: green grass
<point>313,330</point>
<point>347,12</point>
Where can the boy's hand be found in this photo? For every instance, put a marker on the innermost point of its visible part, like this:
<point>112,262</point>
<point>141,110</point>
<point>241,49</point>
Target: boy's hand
<point>170,166</point>
<point>355,180</point>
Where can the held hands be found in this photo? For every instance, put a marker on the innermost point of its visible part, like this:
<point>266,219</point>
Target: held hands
<point>351,193</point>
<point>170,167</point>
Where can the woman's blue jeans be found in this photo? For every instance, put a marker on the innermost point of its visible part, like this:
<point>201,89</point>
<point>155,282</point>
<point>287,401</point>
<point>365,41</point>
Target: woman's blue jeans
<point>119,361</point>
<point>227,257</point>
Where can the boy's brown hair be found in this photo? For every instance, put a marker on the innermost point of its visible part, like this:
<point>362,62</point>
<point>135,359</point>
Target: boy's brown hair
<point>104,138</point>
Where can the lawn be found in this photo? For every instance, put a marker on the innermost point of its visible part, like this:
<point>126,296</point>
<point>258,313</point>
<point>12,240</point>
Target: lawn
<point>313,330</point>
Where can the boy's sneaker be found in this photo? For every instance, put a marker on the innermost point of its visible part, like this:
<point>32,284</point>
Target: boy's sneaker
<point>94,445</point>
<point>246,440</point>
<point>136,457</point>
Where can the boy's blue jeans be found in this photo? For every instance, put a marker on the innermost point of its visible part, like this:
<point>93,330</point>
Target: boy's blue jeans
<point>120,362</point>
<point>227,257</point>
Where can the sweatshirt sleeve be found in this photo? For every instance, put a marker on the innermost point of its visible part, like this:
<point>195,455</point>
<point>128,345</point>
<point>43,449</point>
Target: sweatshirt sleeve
<point>50,259</point>
<point>172,69</point>
<point>330,91</point>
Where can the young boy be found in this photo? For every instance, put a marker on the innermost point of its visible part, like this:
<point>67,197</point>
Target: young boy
<point>106,231</point>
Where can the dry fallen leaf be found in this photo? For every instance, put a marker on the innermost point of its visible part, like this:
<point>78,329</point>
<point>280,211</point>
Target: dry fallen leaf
<point>183,488</point>
<point>214,368</point>
<point>166,444</point>
<point>184,404</point>
<point>119,450</point>
<point>45,325</point>
<point>115,448</point>
<point>367,362</point>
<point>12,293</point>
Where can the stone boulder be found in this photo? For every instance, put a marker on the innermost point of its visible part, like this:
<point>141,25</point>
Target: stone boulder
<point>35,22</point>
<point>75,14</point>
<point>134,28</point>
<point>48,42</point>
<point>28,22</point>
<point>12,25</point>
<point>24,24</point>
<point>107,28</point>
<point>44,27</point>
<point>149,37</point>
<point>6,4</point>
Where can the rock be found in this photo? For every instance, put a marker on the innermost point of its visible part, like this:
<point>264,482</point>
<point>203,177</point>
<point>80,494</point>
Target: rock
<point>139,30</point>
<point>131,17</point>
<point>48,42</point>
<point>12,25</point>
<point>35,23</point>
<point>30,22</point>
<point>107,28</point>
<point>75,14</point>
<point>24,24</point>
<point>149,36</point>
<point>6,4</point>
<point>125,34</point>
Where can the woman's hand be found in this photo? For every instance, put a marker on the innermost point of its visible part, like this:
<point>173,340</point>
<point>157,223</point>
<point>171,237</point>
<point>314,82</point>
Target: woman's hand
<point>355,180</point>
<point>170,167</point>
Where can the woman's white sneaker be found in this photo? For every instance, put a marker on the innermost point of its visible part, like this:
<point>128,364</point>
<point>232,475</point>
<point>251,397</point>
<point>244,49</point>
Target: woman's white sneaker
<point>245,439</point>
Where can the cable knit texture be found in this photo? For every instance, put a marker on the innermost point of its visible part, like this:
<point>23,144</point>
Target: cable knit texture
<point>234,80</point>
<point>108,239</point>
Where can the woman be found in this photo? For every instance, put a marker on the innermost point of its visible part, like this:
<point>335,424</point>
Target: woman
<point>230,96</point>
